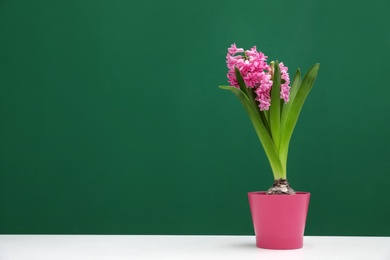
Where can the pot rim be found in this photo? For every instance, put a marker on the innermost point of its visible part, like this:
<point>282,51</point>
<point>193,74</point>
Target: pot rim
<point>260,193</point>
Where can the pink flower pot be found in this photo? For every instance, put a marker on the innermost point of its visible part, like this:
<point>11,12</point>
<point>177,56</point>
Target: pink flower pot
<point>279,220</point>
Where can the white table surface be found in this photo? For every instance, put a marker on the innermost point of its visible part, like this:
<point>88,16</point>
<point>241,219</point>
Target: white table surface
<point>113,247</point>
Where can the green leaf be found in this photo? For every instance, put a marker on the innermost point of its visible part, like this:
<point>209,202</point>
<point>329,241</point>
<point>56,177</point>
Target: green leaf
<point>251,96</point>
<point>240,80</point>
<point>293,114</point>
<point>266,113</point>
<point>263,134</point>
<point>275,106</point>
<point>293,92</point>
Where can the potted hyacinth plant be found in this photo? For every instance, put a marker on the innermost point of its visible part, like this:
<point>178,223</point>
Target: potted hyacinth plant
<point>273,106</point>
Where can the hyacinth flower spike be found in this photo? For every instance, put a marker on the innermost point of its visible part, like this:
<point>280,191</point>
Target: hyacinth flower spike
<point>272,105</point>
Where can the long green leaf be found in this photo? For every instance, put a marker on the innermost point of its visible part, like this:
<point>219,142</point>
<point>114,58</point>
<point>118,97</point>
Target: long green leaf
<point>293,92</point>
<point>264,137</point>
<point>295,109</point>
<point>251,96</point>
<point>275,106</point>
<point>240,80</point>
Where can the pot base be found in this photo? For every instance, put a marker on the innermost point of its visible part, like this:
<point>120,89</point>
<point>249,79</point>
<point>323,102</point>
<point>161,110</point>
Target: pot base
<point>279,243</point>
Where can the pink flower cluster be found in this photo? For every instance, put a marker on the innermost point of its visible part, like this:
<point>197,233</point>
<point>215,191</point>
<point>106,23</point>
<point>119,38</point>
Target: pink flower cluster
<point>284,88</point>
<point>256,73</point>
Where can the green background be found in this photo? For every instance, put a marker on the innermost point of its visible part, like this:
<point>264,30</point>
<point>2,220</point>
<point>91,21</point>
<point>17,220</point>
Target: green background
<point>112,122</point>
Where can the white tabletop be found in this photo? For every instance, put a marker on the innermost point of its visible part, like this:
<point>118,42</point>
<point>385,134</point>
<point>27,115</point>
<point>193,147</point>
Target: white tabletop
<point>113,247</point>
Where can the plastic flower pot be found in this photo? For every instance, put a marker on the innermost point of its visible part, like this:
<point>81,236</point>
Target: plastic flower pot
<point>279,220</point>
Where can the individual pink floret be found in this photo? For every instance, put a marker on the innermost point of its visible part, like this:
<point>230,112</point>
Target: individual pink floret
<point>233,49</point>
